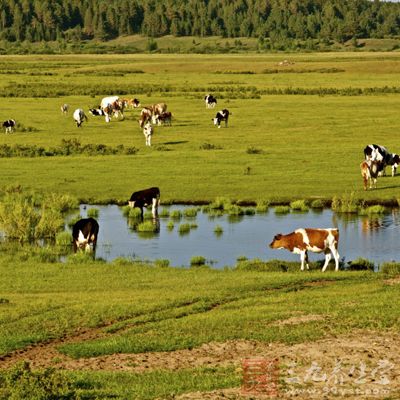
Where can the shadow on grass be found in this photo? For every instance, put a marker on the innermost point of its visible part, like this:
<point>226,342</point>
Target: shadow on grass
<point>177,142</point>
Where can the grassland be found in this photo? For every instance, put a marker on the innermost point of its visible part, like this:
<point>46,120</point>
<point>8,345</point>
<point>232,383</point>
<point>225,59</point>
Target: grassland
<point>131,331</point>
<point>309,122</point>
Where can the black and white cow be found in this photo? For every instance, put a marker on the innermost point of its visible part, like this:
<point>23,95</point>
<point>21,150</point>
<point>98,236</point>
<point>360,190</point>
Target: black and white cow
<point>222,115</point>
<point>143,198</point>
<point>148,132</point>
<point>84,234</point>
<point>210,100</point>
<point>79,117</point>
<point>97,112</point>
<point>9,125</point>
<point>382,157</point>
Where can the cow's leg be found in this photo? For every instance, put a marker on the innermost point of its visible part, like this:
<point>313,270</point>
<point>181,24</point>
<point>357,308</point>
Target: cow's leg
<point>154,207</point>
<point>303,256</point>
<point>336,257</point>
<point>328,257</point>
<point>394,168</point>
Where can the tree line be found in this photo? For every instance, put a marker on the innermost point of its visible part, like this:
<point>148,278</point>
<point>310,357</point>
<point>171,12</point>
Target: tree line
<point>339,20</point>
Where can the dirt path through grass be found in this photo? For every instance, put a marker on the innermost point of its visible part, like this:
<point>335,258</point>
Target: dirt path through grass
<point>364,361</point>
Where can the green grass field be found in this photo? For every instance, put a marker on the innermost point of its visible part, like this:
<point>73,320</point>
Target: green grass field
<point>310,145</point>
<point>127,330</point>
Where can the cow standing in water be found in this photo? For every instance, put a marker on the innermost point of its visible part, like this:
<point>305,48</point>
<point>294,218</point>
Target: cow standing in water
<point>84,234</point>
<point>144,198</point>
<point>316,240</point>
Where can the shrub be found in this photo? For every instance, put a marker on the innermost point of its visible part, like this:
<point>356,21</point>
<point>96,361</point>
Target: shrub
<point>64,238</point>
<point>254,150</point>
<point>164,213</point>
<point>218,230</point>
<point>197,261</point>
<point>163,263</point>
<point>170,225</point>
<point>235,210</point>
<point>361,264</point>
<point>221,203</point>
<point>175,214</point>
<point>23,383</point>
<point>249,211</point>
<point>390,268</point>
<point>134,213</point>
<point>377,209</point>
<point>184,228</point>
<point>345,204</point>
<point>262,206</point>
<point>282,209</point>
<point>317,204</point>
<point>190,212</point>
<point>93,212</point>
<point>147,226</point>
<point>209,146</point>
<point>299,205</point>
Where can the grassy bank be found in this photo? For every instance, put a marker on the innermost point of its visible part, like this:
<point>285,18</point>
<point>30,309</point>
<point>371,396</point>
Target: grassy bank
<point>132,308</point>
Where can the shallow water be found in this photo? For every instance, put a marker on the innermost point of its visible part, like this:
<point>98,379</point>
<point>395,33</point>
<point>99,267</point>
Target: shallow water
<point>376,238</point>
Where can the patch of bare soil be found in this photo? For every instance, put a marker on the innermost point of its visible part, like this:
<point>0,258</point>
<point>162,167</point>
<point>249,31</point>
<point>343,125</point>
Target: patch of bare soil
<point>393,281</point>
<point>357,366</point>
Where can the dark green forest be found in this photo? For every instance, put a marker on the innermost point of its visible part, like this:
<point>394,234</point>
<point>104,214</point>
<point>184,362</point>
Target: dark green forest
<point>339,20</point>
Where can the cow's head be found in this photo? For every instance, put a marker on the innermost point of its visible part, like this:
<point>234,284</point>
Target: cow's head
<point>131,203</point>
<point>276,242</point>
<point>216,121</point>
<point>85,243</point>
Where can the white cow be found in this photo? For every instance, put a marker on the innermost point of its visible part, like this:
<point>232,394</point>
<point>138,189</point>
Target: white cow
<point>79,117</point>
<point>148,132</point>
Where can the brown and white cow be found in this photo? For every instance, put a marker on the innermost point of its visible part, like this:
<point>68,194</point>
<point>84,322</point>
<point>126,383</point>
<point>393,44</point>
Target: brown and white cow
<point>145,116</point>
<point>164,119</point>
<point>370,171</point>
<point>133,103</point>
<point>316,240</point>
<point>64,109</point>
<point>158,109</point>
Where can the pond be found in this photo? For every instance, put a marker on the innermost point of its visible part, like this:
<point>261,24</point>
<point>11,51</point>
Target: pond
<point>375,238</point>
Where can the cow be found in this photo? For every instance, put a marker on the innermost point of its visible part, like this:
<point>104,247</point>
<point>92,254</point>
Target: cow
<point>84,234</point>
<point>112,105</point>
<point>369,172</point>
<point>210,100</point>
<point>164,119</point>
<point>64,108</point>
<point>145,116</point>
<point>144,198</point>
<point>96,112</point>
<point>148,132</point>
<point>9,125</point>
<point>157,109</point>
<point>108,100</point>
<point>315,240</point>
<point>79,117</point>
<point>133,103</point>
<point>222,115</point>
<point>383,158</point>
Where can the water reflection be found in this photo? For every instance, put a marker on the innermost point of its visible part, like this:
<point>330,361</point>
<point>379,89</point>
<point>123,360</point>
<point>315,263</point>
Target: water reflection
<point>225,238</point>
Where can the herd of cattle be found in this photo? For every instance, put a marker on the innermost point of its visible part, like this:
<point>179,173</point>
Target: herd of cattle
<point>155,114</point>
<point>85,231</point>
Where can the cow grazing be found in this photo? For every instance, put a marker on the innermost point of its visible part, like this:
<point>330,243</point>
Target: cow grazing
<point>148,132</point>
<point>222,115</point>
<point>133,103</point>
<point>64,108</point>
<point>97,112</point>
<point>315,240</point>
<point>84,234</point>
<point>145,116</point>
<point>79,117</point>
<point>210,100</point>
<point>108,100</point>
<point>369,172</point>
<point>9,125</point>
<point>164,119</point>
<point>143,198</point>
<point>157,109</point>
<point>382,157</point>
